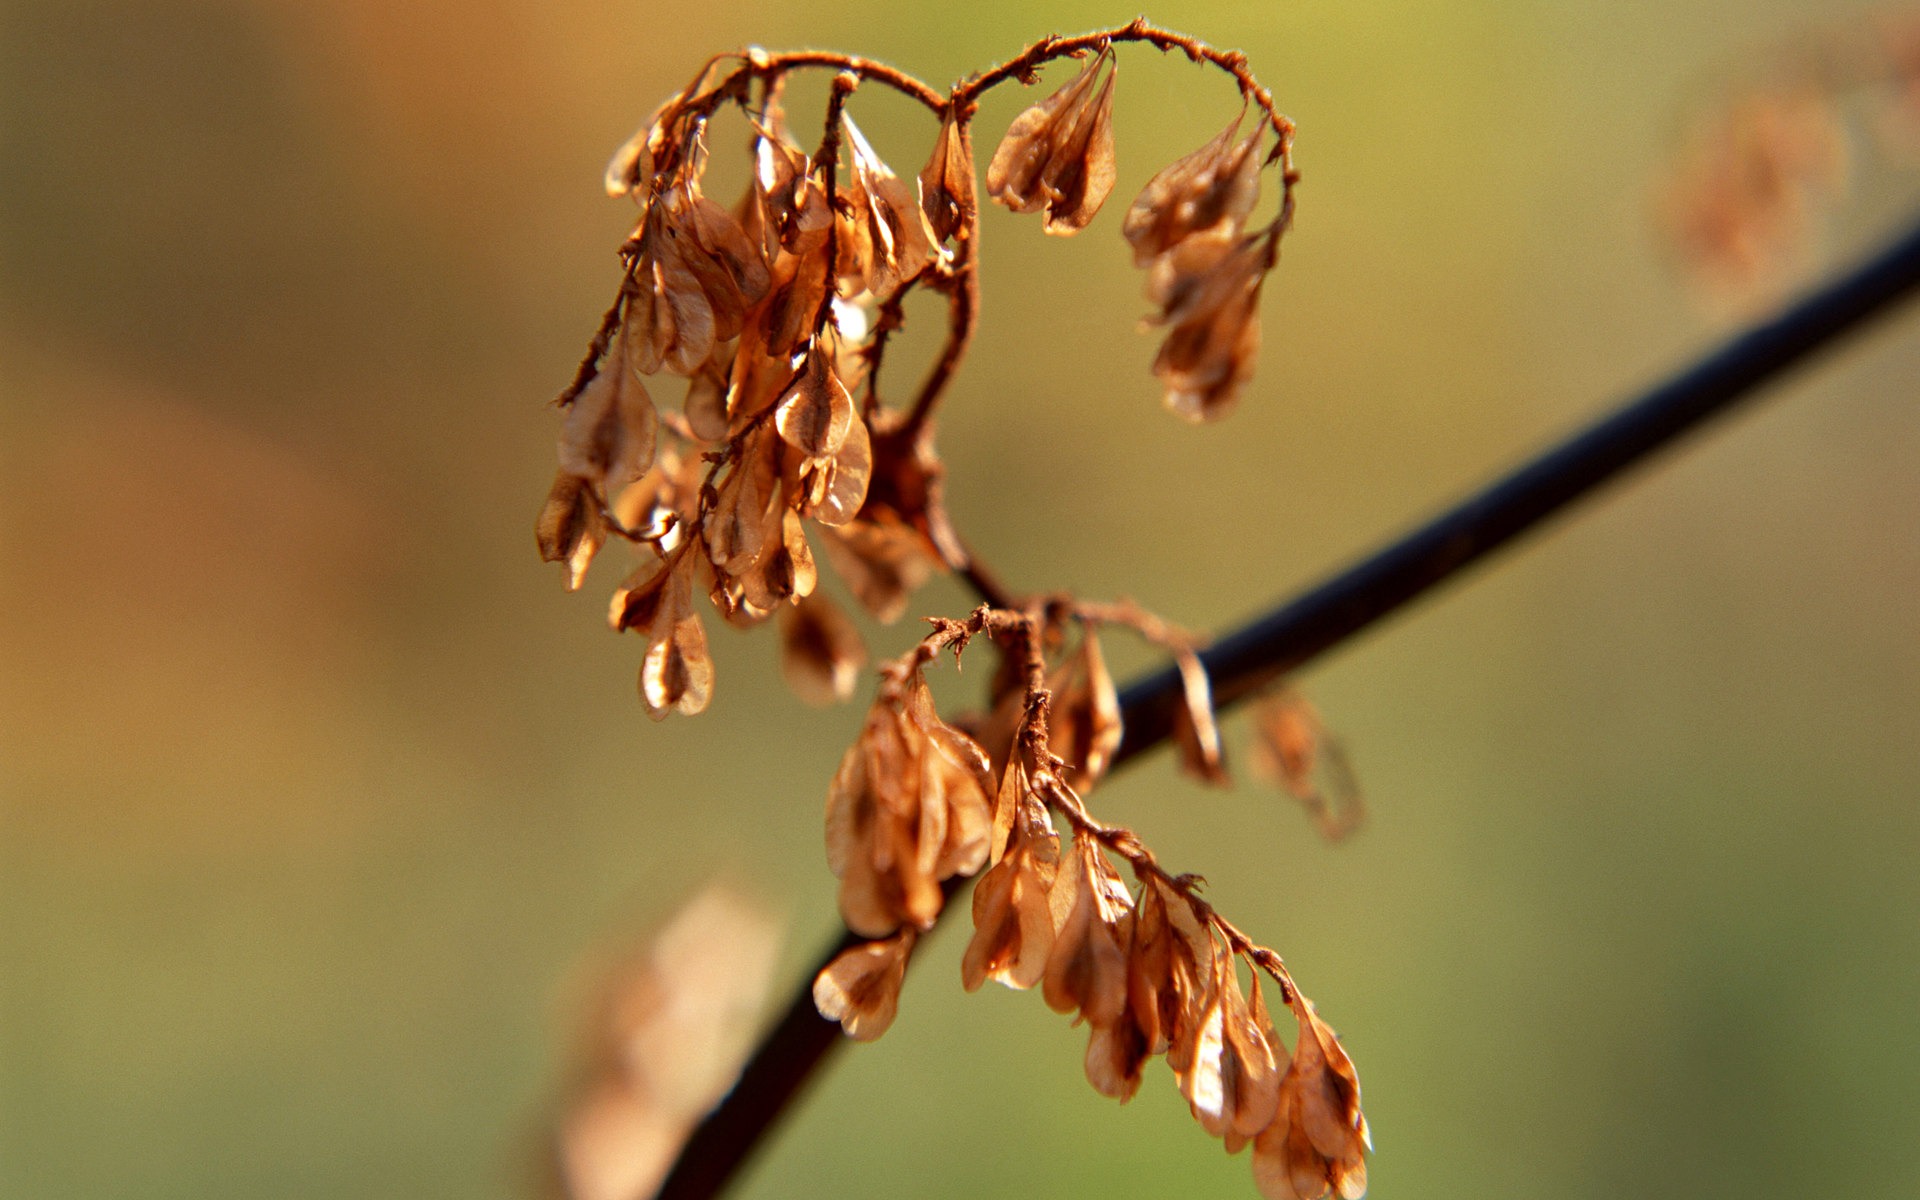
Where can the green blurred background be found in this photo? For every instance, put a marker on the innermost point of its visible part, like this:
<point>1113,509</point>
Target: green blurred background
<point>316,788</point>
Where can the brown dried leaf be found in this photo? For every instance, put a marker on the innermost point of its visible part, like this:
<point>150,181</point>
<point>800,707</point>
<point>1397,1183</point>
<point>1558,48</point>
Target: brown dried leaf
<point>861,987</point>
<point>1215,186</point>
<point>1058,155</point>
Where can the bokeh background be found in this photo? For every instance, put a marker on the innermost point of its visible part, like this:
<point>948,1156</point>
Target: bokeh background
<point>317,790</point>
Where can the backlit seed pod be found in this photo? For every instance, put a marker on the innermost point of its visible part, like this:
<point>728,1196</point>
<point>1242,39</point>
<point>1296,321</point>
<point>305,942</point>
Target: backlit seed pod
<point>906,809</point>
<point>816,413</point>
<point>792,202</point>
<point>861,987</point>
<point>1317,1142</point>
<point>1169,971</point>
<point>1116,1055</point>
<point>1233,1080</point>
<point>1058,155</point>
<point>832,489</point>
<point>677,673</point>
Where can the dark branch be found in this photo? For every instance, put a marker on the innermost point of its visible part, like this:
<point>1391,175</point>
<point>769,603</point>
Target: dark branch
<point>1291,636</point>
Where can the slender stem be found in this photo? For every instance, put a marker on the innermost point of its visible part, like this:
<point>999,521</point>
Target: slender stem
<point>1341,608</point>
<point>1023,65</point>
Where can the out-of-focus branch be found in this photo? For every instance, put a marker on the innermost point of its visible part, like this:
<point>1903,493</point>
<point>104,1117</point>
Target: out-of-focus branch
<point>1290,636</point>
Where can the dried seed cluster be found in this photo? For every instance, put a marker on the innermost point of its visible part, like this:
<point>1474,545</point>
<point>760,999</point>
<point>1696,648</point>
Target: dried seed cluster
<point>777,312</point>
<point>1152,970</point>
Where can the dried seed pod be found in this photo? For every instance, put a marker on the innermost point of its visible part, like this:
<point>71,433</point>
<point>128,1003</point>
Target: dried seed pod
<point>746,505</point>
<point>677,673</point>
<point>1215,186</point>
<point>954,777</point>
<point>1317,1142</point>
<point>1195,729</point>
<point>821,653</point>
<point>1013,924</point>
<point>1233,1080</point>
<point>946,182</point>
<point>1208,288</point>
<point>1087,970</point>
<point>831,490</point>
<point>792,202</point>
<point>1170,971</point>
<point>816,413</point>
<point>1058,155</point>
<point>861,987</point>
<point>658,506</point>
<point>611,428</point>
<point>1086,728</point>
<point>906,809</point>
<point>669,318</point>
<point>1116,1055</point>
<point>890,224</point>
<point>571,528</point>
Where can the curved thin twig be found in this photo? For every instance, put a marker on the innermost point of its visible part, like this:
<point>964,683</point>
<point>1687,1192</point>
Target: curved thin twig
<point>1345,605</point>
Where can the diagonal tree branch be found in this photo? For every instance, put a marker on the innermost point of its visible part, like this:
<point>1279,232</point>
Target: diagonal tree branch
<point>1288,637</point>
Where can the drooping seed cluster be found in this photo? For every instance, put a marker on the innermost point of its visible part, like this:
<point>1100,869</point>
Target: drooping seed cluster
<point>777,312</point>
<point>1152,970</point>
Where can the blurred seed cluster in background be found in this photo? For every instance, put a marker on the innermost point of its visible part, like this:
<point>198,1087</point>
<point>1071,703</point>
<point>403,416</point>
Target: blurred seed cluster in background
<point>315,791</point>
